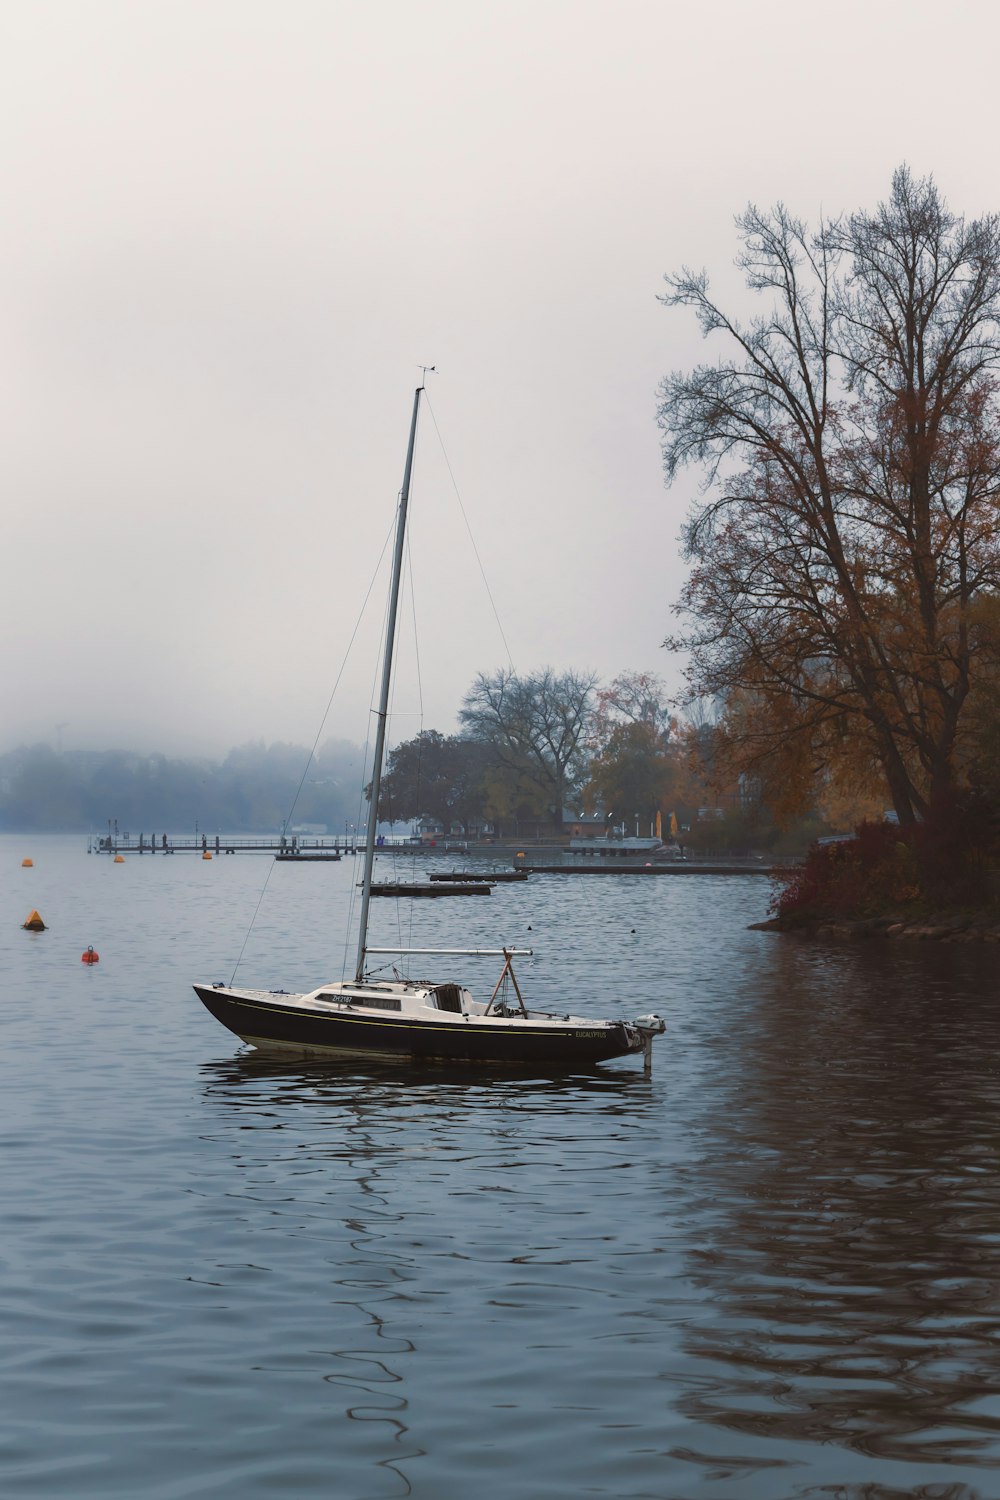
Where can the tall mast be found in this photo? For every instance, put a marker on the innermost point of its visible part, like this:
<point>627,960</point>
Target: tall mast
<point>383,707</point>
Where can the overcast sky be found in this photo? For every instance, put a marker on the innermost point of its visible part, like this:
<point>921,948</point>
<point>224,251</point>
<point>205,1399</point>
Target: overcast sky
<point>234,229</point>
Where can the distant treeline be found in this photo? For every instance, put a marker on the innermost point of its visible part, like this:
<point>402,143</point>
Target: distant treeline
<point>252,789</point>
<point>535,754</point>
<point>539,754</point>
<point>532,749</point>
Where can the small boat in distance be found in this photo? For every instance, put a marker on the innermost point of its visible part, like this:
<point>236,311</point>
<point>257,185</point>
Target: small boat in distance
<point>419,1019</point>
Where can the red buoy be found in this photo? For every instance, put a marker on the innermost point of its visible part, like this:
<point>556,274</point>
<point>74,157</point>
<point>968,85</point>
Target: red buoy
<point>90,957</point>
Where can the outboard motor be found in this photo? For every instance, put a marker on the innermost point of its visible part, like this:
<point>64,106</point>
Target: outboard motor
<point>648,1027</point>
<point>653,1023</point>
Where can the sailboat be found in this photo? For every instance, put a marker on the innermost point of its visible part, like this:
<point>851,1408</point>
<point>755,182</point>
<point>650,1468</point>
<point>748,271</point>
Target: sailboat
<point>410,1019</point>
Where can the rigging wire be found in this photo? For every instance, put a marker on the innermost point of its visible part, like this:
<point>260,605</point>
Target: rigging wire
<point>408,862</point>
<point>309,761</point>
<point>364,605</point>
<point>472,539</point>
<point>390,711</point>
<point>416,634</point>
<point>360,818</point>
<point>420,706</point>
<point>407,583</point>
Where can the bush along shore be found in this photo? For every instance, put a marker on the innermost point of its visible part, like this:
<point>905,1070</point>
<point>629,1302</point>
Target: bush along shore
<point>938,880</point>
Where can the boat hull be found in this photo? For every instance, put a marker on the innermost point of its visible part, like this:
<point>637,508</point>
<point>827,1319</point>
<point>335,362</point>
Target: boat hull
<point>268,1024</point>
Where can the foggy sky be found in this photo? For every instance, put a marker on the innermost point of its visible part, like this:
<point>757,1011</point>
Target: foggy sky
<point>234,230</point>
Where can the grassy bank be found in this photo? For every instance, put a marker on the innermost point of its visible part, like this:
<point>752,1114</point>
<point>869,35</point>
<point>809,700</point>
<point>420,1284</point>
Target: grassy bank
<point>935,879</point>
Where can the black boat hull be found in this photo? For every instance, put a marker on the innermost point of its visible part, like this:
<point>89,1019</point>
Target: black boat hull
<point>267,1023</point>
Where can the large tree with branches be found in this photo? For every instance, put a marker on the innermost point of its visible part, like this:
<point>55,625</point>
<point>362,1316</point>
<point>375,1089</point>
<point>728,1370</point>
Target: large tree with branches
<point>850,438</point>
<point>535,726</point>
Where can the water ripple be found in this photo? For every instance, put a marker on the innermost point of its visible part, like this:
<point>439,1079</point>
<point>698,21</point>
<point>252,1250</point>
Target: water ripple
<point>771,1271</point>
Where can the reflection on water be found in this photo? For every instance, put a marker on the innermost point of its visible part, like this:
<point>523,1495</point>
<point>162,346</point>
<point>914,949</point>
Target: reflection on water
<point>437,1179</point>
<point>769,1272</point>
<point>259,1076</point>
<point>854,1258</point>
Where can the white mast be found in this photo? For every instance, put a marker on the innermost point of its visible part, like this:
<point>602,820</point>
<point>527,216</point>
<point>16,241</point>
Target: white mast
<point>383,708</point>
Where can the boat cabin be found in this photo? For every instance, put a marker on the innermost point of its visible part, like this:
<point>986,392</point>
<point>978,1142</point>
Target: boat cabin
<point>399,996</point>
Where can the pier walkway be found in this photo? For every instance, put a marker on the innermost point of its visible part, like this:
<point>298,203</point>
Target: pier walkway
<point>223,843</point>
<point>542,860</point>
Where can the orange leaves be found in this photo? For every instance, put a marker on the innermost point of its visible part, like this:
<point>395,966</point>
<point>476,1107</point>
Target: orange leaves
<point>850,439</point>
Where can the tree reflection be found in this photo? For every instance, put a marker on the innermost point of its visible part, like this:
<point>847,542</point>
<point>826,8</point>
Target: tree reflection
<point>854,1261</point>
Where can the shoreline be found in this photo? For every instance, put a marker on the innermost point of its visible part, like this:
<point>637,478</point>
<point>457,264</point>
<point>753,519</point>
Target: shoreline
<point>941,928</point>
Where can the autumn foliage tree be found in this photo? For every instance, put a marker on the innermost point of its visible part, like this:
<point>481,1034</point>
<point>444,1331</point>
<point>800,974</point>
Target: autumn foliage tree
<point>850,442</point>
<point>633,775</point>
<point>633,768</point>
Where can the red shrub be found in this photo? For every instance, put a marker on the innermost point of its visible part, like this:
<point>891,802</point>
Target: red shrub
<point>950,860</point>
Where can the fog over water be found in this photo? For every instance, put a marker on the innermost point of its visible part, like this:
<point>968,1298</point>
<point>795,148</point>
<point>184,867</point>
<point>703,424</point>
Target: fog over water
<point>233,233</point>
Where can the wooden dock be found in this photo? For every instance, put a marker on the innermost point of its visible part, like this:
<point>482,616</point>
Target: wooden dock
<point>315,850</point>
<point>223,843</point>
<point>680,867</point>
<point>302,858</point>
<point>455,888</point>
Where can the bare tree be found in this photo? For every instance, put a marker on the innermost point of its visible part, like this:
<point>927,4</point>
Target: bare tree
<point>535,726</point>
<point>851,447</point>
<point>632,698</point>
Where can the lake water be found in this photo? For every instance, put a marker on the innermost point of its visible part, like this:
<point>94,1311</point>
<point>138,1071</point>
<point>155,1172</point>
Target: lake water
<point>770,1271</point>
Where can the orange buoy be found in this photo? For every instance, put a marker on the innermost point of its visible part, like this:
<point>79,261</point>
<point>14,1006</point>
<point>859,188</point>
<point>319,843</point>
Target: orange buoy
<point>119,859</point>
<point>34,923</point>
<point>206,855</point>
<point>27,864</point>
<point>90,957</point>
